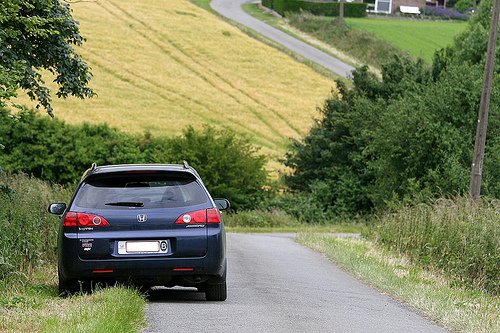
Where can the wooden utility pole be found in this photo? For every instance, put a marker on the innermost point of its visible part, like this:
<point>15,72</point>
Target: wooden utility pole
<point>341,12</point>
<point>482,123</point>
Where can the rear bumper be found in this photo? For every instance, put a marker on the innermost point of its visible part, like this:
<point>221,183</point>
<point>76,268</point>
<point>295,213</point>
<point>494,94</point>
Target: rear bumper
<point>143,268</point>
<point>140,268</point>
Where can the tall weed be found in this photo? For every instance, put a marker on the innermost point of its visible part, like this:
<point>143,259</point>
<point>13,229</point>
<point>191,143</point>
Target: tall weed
<point>28,234</point>
<point>451,234</point>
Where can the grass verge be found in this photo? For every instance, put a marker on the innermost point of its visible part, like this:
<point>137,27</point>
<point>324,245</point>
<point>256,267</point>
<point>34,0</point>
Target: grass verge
<point>455,307</point>
<point>35,306</point>
<point>275,220</point>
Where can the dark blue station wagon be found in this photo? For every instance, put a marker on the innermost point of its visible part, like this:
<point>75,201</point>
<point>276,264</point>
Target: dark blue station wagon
<point>151,225</point>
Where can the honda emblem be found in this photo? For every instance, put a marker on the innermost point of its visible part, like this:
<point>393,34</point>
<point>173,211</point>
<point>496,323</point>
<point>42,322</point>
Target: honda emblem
<point>142,218</point>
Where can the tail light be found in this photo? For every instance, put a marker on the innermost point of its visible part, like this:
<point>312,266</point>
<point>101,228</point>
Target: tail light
<point>211,215</point>
<point>73,219</point>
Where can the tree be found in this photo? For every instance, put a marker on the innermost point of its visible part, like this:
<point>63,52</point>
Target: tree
<point>38,35</point>
<point>229,164</point>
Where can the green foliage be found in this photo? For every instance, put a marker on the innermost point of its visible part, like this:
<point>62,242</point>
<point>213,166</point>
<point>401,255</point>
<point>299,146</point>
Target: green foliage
<point>28,233</point>
<point>343,148</point>
<point>229,165</point>
<point>38,35</point>
<point>351,9</point>
<point>463,6</point>
<point>326,162</point>
<point>453,235</point>
<point>268,3</point>
<point>411,133</point>
<point>49,149</point>
<point>8,82</point>
<point>261,219</point>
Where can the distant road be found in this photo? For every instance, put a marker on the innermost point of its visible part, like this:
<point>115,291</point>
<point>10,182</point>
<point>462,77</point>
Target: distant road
<point>278,286</point>
<point>232,10</point>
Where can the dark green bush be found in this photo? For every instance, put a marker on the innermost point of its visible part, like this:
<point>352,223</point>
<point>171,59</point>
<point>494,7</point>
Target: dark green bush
<point>463,6</point>
<point>268,3</point>
<point>351,9</point>
<point>49,149</point>
<point>229,165</point>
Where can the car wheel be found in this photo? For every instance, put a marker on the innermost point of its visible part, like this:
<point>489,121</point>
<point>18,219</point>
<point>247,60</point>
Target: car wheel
<point>67,287</point>
<point>216,292</point>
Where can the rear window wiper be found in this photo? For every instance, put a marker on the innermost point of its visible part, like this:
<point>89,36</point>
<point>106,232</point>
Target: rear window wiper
<point>125,204</point>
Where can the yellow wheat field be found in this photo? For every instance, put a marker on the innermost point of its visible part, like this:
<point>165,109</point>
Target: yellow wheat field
<point>162,65</point>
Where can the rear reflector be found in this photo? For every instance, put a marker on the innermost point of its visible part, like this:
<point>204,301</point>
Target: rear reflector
<point>183,269</point>
<point>104,271</point>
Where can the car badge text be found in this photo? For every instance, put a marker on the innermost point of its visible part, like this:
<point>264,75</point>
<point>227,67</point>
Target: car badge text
<point>142,218</point>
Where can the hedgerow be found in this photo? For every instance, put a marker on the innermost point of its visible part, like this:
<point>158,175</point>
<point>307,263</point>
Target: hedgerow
<point>52,150</point>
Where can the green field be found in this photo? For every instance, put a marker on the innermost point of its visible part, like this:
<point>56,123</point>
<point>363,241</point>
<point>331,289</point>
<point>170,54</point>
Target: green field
<point>420,38</point>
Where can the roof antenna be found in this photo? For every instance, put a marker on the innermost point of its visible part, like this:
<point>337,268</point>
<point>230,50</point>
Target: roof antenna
<point>186,165</point>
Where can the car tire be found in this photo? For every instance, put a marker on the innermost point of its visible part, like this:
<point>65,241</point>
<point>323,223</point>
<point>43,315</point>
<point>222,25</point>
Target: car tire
<point>216,292</point>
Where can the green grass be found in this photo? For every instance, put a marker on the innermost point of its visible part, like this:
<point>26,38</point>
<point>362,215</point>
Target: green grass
<point>419,38</point>
<point>29,300</point>
<point>36,307</point>
<point>455,307</point>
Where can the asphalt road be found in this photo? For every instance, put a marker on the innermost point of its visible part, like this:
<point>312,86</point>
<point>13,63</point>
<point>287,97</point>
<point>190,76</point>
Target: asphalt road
<point>232,10</point>
<point>276,285</point>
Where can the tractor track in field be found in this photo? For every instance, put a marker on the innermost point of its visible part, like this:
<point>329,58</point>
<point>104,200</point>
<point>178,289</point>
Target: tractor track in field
<point>160,91</point>
<point>130,19</point>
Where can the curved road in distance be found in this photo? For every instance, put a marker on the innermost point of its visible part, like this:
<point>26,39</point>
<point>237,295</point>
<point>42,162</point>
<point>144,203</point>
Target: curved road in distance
<point>232,10</point>
<point>277,285</point>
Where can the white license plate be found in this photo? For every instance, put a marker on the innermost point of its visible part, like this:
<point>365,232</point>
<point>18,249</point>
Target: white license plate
<point>141,247</point>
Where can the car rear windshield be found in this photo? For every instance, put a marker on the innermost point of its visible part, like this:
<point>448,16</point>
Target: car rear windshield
<point>141,191</point>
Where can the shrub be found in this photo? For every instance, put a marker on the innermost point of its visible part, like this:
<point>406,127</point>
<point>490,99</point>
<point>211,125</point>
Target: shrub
<point>322,8</point>
<point>261,219</point>
<point>268,3</point>
<point>463,6</point>
<point>229,165</point>
<point>446,13</point>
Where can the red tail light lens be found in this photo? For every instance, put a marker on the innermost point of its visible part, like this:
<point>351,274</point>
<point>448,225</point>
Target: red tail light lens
<point>73,219</point>
<point>70,219</point>
<point>213,215</point>
<point>201,216</point>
